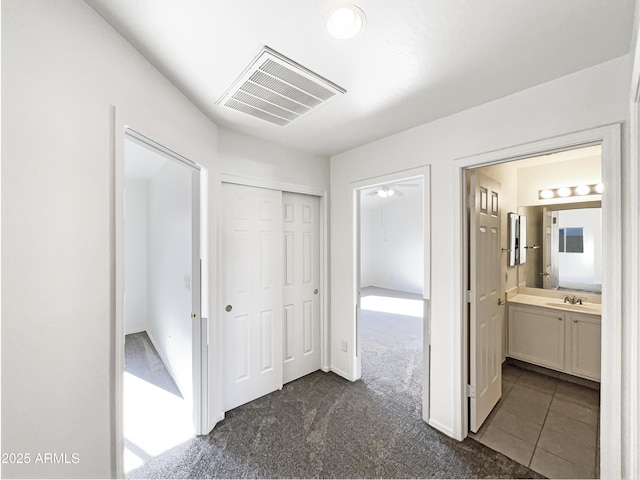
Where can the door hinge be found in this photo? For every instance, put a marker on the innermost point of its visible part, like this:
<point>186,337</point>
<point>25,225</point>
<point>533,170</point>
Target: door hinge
<point>467,296</point>
<point>471,391</point>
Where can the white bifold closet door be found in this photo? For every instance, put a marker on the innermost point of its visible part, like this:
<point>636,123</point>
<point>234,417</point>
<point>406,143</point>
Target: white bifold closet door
<point>270,290</point>
<point>301,283</point>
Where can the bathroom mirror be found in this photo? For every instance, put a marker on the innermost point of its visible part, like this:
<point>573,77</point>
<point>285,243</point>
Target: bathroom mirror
<point>563,245</point>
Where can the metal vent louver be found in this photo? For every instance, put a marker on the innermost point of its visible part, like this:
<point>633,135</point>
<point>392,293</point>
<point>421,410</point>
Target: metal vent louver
<point>277,89</point>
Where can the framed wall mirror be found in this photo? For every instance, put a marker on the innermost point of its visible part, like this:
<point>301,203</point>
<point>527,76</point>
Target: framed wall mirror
<point>564,244</point>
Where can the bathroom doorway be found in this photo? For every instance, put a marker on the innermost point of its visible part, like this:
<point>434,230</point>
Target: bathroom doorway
<point>547,341</point>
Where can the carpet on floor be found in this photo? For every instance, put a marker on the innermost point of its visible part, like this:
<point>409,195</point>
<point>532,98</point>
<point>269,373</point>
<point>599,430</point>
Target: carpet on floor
<point>323,426</point>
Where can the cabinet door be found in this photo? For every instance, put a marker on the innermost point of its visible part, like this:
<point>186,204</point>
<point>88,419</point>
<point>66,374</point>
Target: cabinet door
<point>536,336</point>
<point>585,346</point>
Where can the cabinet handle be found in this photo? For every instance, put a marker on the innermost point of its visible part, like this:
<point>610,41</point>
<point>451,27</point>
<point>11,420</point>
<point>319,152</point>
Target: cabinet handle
<point>575,321</point>
<point>560,319</point>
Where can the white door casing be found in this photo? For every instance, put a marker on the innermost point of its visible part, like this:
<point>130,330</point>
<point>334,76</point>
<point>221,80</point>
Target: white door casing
<point>199,344</point>
<point>251,293</point>
<point>485,341</point>
<point>301,283</point>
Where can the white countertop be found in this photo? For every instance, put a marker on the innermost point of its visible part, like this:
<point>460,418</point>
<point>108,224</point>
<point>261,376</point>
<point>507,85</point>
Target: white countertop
<point>556,303</point>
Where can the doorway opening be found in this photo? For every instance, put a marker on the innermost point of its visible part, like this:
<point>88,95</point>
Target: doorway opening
<point>391,287</point>
<point>163,360</point>
<point>534,276</point>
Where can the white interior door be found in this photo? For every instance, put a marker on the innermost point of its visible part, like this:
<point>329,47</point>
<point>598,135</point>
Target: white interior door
<point>251,293</point>
<point>485,333</point>
<point>301,283</point>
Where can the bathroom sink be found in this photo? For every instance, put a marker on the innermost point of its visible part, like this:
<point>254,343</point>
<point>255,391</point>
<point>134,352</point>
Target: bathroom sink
<point>577,308</point>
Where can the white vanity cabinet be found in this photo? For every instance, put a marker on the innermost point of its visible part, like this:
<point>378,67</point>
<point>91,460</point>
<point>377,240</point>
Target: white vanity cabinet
<point>585,345</point>
<point>556,339</point>
<point>536,335</point>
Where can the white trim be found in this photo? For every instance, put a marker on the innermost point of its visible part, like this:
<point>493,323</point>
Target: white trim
<point>631,283</point>
<point>272,185</point>
<point>170,154</point>
<point>423,172</point>
<point>166,363</point>
<point>612,320</point>
<point>117,282</point>
<point>442,428</point>
<point>325,339</point>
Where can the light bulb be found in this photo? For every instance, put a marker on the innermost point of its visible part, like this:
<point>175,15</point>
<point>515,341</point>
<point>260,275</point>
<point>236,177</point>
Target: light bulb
<point>583,190</point>
<point>382,193</point>
<point>599,188</point>
<point>564,191</point>
<point>546,194</point>
<point>345,21</point>
<point>390,192</point>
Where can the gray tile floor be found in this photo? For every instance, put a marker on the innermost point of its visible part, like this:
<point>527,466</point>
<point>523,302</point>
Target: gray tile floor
<point>547,424</point>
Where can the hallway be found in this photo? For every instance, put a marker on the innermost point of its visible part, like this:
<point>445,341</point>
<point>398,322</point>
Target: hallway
<point>324,426</point>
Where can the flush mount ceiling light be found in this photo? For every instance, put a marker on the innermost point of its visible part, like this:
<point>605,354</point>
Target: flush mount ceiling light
<point>346,21</point>
<point>564,192</point>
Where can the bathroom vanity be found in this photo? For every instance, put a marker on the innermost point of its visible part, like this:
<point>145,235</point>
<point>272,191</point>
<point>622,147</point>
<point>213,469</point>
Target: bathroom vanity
<point>545,331</point>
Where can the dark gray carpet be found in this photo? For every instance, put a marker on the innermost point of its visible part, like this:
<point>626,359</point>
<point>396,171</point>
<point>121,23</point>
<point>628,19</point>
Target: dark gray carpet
<point>322,426</point>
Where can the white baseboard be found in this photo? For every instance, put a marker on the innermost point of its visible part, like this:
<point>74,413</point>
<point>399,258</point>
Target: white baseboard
<point>166,364</point>
<point>441,428</point>
<point>344,375</point>
<point>127,332</point>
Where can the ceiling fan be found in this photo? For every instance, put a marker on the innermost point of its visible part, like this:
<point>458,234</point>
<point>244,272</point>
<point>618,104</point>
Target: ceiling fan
<point>391,189</point>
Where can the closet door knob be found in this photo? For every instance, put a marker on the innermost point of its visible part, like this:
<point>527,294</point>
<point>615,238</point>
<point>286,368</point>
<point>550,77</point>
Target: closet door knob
<point>228,308</point>
<point>315,292</point>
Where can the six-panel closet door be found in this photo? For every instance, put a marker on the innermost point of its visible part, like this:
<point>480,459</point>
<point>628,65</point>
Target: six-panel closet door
<point>301,252</point>
<point>270,290</point>
<point>251,293</point>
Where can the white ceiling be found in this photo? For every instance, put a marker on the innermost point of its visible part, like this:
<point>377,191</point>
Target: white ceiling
<point>416,60</point>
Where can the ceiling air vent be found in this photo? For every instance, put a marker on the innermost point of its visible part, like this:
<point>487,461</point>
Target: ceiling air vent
<point>277,89</point>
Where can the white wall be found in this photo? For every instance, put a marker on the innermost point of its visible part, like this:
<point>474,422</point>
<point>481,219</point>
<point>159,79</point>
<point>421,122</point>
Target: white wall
<point>135,252</point>
<point>169,262</point>
<point>583,267</point>
<point>67,79</point>
<point>392,243</point>
<point>583,171</point>
<point>586,99</point>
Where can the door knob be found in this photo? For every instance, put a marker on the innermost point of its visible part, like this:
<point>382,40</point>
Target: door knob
<point>315,292</point>
<point>193,314</point>
<point>228,308</point>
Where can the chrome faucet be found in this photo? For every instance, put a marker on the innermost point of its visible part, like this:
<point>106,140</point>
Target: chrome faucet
<point>574,300</point>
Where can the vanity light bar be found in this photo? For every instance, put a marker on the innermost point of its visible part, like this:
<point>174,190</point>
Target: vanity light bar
<point>564,192</point>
